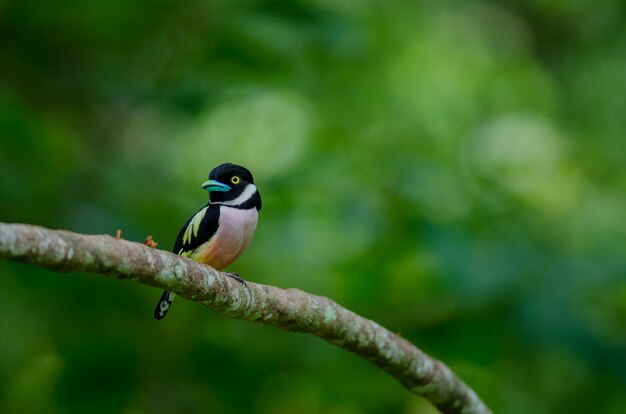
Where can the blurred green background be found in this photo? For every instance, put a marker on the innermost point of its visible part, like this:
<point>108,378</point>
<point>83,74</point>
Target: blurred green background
<point>453,170</point>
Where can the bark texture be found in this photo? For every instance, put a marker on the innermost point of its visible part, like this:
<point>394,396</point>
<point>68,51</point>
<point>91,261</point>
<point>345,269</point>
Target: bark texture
<point>289,309</point>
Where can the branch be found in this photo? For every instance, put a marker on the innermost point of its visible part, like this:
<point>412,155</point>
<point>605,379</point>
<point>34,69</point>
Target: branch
<point>289,309</point>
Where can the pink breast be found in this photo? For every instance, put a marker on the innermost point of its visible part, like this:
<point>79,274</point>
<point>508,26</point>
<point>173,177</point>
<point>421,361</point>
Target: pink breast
<point>236,228</point>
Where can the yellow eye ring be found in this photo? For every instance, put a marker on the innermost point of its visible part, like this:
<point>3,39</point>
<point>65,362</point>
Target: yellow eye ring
<point>235,180</point>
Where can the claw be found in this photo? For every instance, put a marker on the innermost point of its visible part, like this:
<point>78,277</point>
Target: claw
<point>236,277</point>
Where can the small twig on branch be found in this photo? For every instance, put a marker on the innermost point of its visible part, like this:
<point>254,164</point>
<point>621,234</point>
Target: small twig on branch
<point>289,309</point>
<point>150,242</point>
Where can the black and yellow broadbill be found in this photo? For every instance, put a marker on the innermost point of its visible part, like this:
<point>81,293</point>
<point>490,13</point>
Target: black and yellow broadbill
<point>220,231</point>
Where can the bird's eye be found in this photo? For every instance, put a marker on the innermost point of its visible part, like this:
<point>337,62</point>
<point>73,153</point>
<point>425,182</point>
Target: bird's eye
<point>235,180</point>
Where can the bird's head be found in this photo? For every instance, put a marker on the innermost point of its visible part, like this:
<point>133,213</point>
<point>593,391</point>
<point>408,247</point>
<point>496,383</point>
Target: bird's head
<point>232,185</point>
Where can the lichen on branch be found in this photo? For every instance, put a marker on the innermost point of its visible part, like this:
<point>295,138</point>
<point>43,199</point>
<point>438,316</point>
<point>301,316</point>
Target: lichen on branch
<point>289,309</point>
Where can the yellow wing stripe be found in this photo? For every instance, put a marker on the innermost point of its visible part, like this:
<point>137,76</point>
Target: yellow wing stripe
<point>194,226</point>
<point>184,253</point>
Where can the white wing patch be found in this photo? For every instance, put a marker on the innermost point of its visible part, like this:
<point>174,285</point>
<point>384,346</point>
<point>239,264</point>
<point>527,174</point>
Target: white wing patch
<point>194,226</point>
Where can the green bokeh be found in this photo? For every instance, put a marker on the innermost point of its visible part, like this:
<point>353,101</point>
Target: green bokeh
<point>454,171</point>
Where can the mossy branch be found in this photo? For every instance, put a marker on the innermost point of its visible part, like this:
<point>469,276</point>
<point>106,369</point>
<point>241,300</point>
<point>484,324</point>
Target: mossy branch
<point>289,309</point>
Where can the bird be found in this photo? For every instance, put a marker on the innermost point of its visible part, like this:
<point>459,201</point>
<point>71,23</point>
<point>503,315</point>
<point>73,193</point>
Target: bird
<point>219,232</point>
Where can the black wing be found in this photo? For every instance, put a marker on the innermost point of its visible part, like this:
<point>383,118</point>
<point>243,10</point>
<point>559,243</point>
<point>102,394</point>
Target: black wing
<point>197,230</point>
<point>203,226</point>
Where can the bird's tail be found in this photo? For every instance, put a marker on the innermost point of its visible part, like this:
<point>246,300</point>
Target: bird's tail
<point>164,304</point>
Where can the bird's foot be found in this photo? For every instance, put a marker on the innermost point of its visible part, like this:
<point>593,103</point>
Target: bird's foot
<point>236,277</point>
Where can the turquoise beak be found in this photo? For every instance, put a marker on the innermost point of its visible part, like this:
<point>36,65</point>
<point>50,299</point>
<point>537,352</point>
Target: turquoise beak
<point>215,186</point>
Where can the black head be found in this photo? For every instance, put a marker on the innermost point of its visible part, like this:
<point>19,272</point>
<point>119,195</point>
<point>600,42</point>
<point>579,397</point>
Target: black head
<point>232,185</point>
